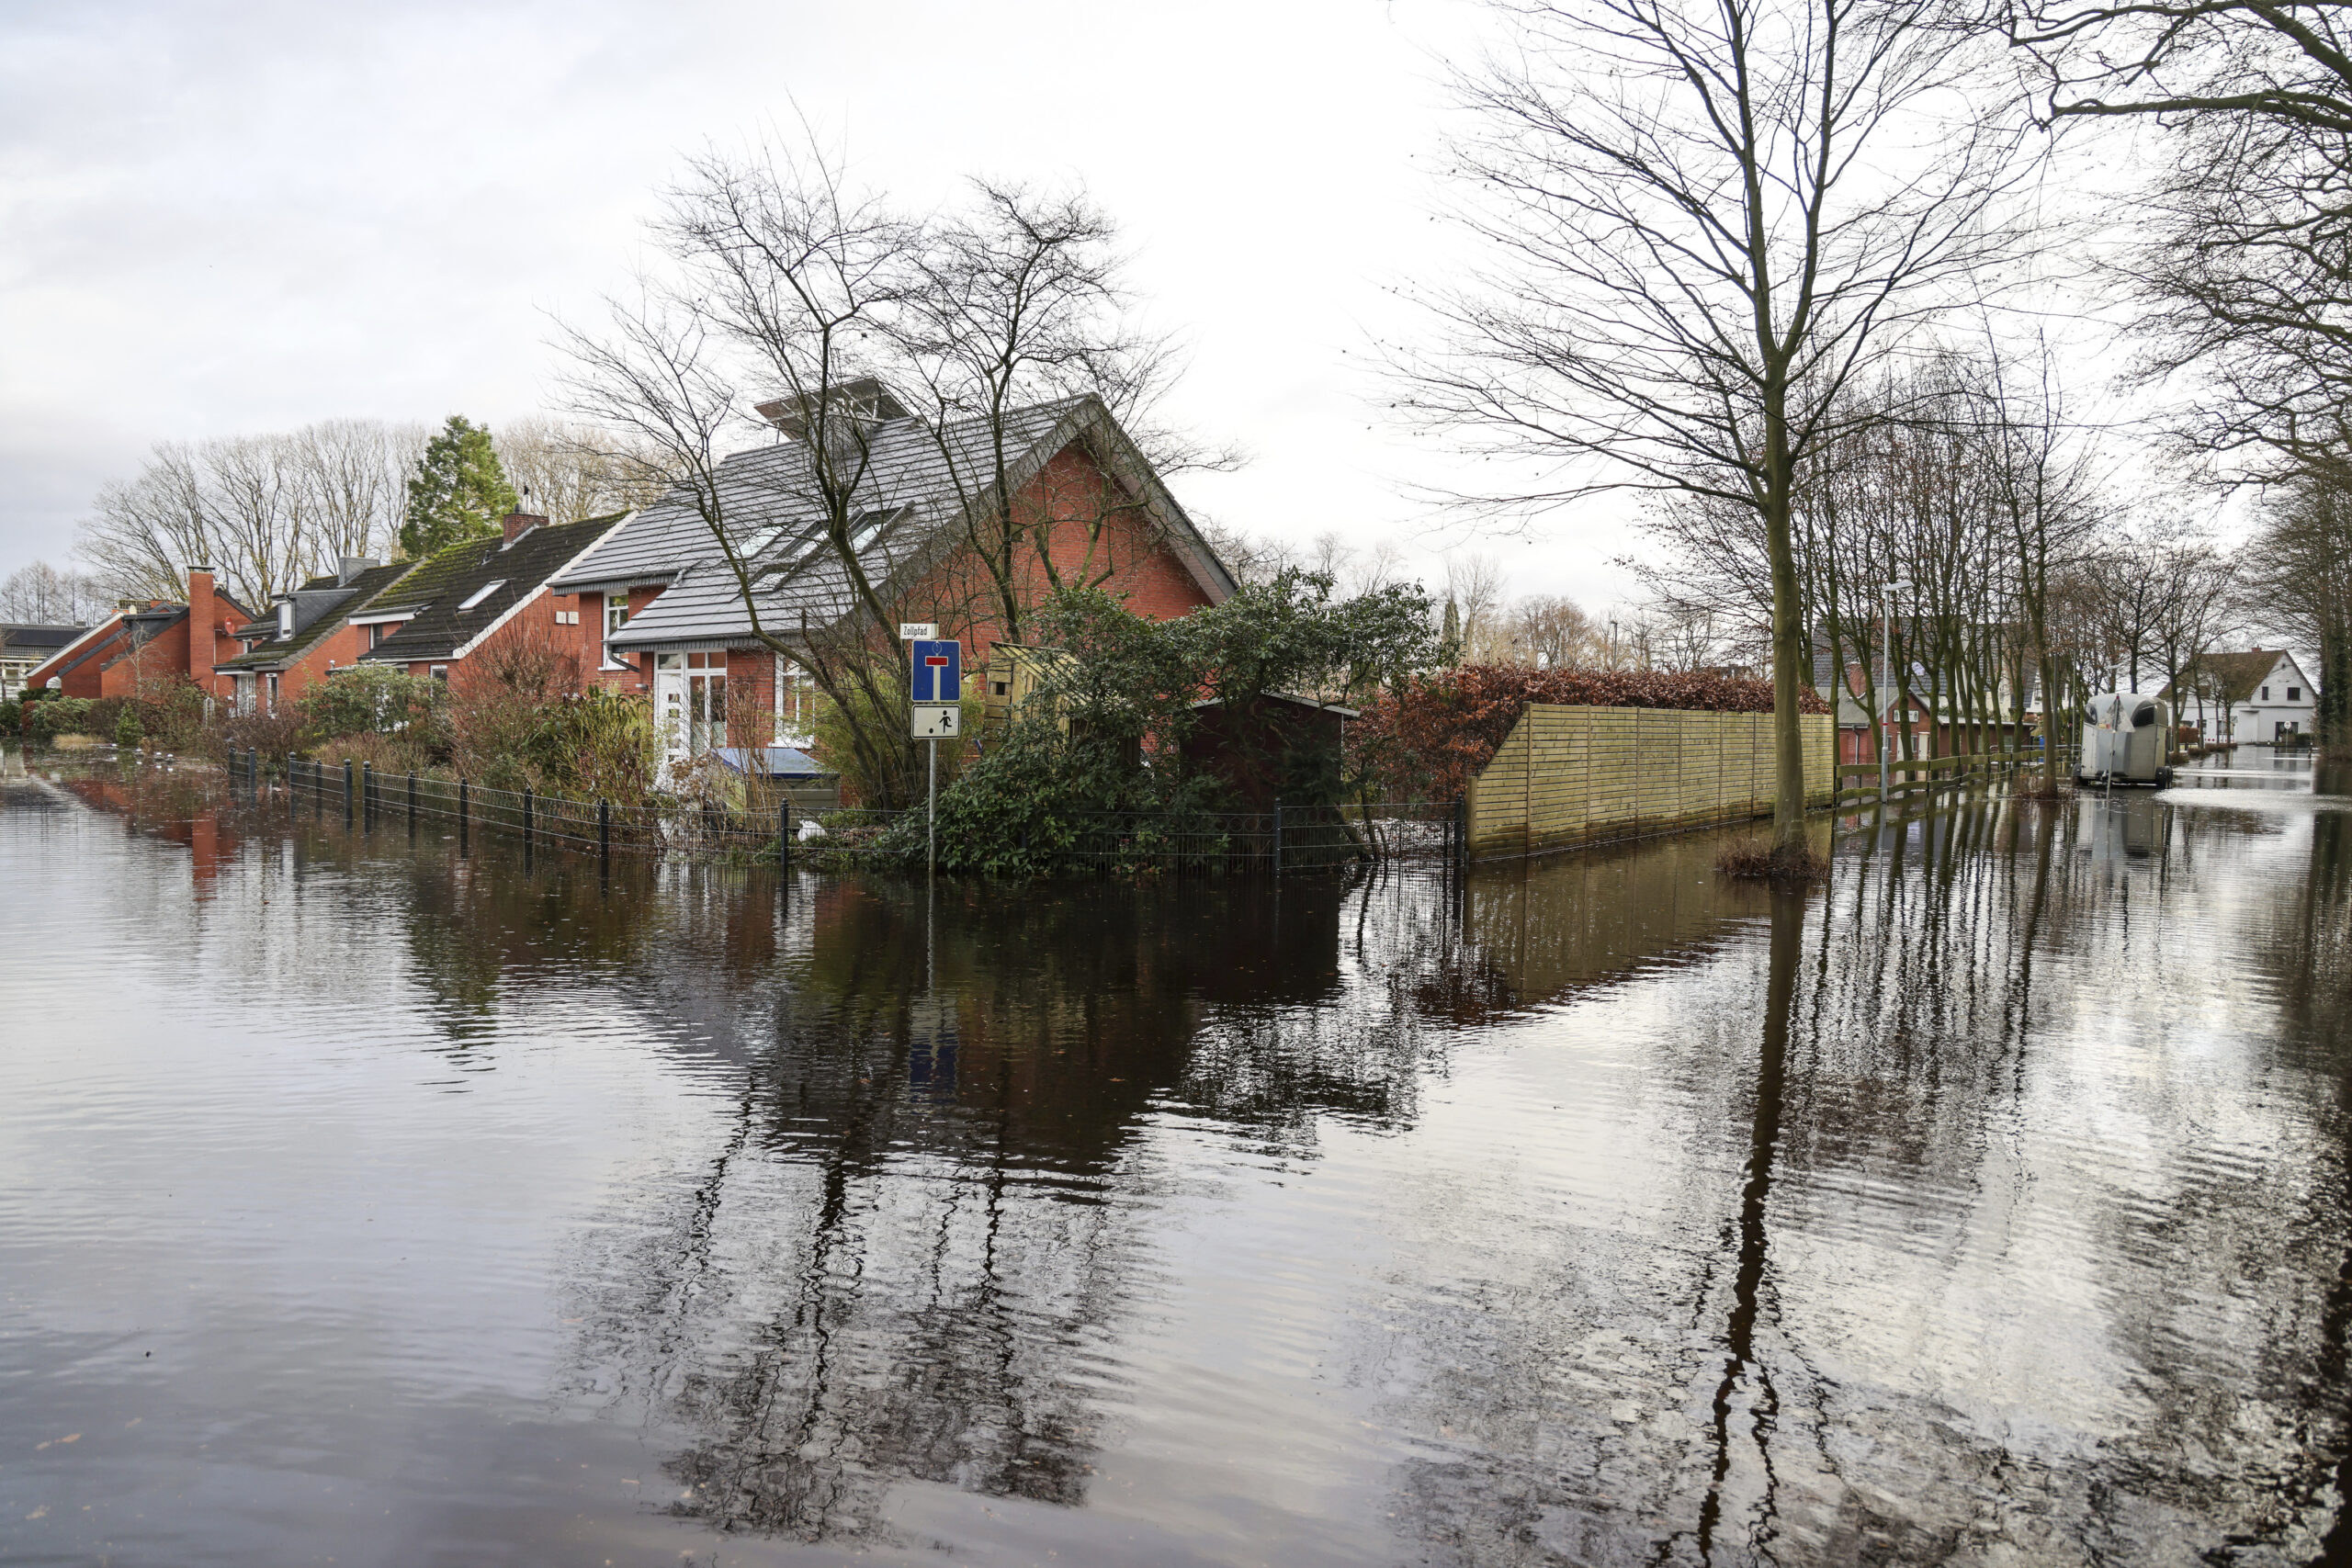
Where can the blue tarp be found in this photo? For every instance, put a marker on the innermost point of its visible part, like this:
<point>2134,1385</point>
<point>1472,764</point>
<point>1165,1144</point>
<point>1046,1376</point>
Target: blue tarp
<point>770,762</point>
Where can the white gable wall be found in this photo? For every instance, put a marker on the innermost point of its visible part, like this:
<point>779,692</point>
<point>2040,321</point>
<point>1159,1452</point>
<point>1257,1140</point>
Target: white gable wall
<point>2285,698</point>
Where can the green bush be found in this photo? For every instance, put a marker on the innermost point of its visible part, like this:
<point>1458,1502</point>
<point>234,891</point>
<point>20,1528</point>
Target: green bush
<point>370,699</point>
<point>599,744</point>
<point>12,717</point>
<point>127,731</point>
<point>1029,798</point>
<point>54,716</point>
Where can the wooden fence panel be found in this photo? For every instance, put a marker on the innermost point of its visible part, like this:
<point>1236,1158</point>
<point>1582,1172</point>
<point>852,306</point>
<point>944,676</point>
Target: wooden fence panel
<point>1573,775</point>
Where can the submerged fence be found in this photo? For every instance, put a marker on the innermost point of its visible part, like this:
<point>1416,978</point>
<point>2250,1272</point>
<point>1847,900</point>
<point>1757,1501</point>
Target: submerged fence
<point>769,824</point>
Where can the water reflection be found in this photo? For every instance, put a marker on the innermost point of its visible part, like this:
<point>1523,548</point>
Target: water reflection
<point>1987,1202</point>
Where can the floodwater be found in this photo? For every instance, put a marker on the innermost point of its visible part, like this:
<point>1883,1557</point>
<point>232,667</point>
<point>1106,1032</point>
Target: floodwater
<point>363,1204</point>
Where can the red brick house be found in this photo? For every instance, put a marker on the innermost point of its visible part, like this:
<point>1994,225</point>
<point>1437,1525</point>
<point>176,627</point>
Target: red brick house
<point>661,612</point>
<point>313,632</point>
<point>481,595</point>
<point>147,644</point>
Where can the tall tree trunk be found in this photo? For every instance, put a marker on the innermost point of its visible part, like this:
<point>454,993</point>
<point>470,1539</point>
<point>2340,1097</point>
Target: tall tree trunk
<point>1788,653</point>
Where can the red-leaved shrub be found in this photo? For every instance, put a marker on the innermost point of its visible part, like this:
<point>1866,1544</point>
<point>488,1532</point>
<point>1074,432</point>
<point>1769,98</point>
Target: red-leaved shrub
<point>1430,739</point>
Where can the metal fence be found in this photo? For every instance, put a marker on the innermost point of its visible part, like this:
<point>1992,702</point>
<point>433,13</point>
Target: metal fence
<point>769,824</point>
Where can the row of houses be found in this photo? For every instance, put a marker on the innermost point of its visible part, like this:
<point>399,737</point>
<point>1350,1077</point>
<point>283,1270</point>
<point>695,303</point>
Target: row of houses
<point>647,602</point>
<point>2260,696</point>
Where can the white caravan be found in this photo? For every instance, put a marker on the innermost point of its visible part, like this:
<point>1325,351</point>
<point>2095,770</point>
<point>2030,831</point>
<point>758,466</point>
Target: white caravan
<point>2127,739</point>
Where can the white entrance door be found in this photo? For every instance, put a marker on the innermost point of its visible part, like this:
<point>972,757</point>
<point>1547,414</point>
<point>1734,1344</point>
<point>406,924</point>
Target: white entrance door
<point>690,701</point>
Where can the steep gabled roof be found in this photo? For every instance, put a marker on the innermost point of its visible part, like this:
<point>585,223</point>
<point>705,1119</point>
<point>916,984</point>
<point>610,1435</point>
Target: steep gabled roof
<point>322,607</point>
<point>462,593</point>
<point>917,485</point>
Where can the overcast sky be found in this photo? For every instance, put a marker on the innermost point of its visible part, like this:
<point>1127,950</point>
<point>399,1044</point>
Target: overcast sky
<point>224,219</point>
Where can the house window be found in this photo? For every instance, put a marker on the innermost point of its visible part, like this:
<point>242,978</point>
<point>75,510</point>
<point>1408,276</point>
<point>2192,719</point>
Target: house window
<point>375,633</point>
<point>796,698</point>
<point>479,594</point>
<point>439,672</point>
<point>271,701</point>
<point>616,617</point>
<point>2266,693</point>
<point>2294,693</point>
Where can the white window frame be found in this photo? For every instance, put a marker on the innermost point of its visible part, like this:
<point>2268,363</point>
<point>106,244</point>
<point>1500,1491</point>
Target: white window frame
<point>614,605</point>
<point>479,594</point>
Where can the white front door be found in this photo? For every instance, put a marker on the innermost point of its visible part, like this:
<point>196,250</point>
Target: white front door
<point>670,705</point>
<point>690,701</point>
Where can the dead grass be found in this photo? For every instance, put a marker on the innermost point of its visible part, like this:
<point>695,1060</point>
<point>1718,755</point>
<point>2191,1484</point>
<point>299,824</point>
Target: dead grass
<point>77,742</point>
<point>1755,860</point>
<point>2033,786</point>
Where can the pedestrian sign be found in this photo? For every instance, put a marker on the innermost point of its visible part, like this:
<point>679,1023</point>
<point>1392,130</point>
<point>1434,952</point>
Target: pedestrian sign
<point>937,671</point>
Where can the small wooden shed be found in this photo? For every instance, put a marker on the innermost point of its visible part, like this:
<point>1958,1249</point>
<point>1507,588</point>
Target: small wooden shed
<point>1273,747</point>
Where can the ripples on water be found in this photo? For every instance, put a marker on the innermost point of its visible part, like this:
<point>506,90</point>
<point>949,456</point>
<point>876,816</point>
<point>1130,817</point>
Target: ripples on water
<point>360,1201</point>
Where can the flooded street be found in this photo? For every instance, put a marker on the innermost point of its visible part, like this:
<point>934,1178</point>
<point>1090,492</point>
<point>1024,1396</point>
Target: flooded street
<point>363,1202</point>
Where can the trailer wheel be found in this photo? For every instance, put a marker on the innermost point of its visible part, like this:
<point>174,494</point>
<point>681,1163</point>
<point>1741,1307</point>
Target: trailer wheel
<point>2164,778</point>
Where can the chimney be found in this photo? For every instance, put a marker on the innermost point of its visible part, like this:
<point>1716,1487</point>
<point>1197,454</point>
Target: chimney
<point>350,567</point>
<point>201,613</point>
<point>521,522</point>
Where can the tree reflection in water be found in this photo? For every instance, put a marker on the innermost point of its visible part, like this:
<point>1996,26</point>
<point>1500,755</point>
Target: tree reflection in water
<point>1988,1202</point>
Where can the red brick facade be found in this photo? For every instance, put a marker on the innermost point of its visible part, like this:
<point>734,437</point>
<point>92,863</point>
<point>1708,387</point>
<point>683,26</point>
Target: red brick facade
<point>1098,536</point>
<point>104,664</point>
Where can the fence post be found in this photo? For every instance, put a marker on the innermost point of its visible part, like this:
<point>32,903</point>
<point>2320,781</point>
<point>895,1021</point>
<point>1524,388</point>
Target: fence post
<point>1278,838</point>
<point>784,833</point>
<point>347,771</point>
<point>604,831</point>
<point>526,818</point>
<point>462,787</point>
<point>412,803</point>
<point>367,794</point>
<point>1460,831</point>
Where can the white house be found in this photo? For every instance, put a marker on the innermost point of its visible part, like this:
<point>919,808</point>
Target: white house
<point>2262,696</point>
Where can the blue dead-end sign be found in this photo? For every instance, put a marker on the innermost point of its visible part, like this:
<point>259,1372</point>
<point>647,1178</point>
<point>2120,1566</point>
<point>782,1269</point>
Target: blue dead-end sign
<point>938,671</point>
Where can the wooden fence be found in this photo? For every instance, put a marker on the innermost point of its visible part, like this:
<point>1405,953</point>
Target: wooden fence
<point>1566,776</point>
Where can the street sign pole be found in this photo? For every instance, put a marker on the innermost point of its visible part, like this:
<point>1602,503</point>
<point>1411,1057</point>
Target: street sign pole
<point>934,687</point>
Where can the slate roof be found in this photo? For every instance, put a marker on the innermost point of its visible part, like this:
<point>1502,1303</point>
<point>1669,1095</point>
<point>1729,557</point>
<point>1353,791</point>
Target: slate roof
<point>433,592</point>
<point>915,487</point>
<point>322,607</point>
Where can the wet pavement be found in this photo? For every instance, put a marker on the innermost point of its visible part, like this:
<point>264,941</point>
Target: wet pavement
<point>363,1202</point>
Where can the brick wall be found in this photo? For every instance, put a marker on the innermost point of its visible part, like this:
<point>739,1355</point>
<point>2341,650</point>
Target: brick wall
<point>751,697</point>
<point>1577,775</point>
<point>1095,534</point>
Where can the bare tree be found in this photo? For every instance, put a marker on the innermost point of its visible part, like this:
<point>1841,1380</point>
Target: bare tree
<point>264,511</point>
<point>1473,589</point>
<point>40,594</point>
<point>1703,233</point>
<point>569,471</point>
<point>2297,574</point>
<point>1551,631</point>
<point>785,278</point>
<point>1014,302</point>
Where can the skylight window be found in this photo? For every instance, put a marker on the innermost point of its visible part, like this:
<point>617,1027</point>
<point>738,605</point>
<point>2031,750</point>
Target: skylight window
<point>479,594</point>
<point>865,527</point>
